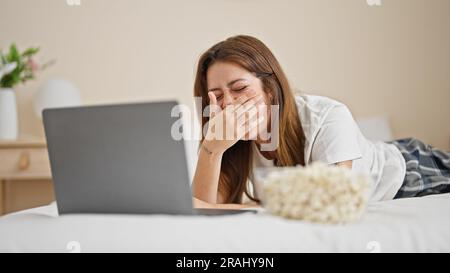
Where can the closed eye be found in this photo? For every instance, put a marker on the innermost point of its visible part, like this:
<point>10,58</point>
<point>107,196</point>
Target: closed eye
<point>241,89</point>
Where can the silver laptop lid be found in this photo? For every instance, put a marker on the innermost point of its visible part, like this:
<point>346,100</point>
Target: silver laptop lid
<point>117,159</point>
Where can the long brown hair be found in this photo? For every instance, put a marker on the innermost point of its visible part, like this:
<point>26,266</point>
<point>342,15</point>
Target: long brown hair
<point>254,56</point>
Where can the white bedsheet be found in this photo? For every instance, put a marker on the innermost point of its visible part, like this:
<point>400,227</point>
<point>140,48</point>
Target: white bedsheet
<point>403,225</point>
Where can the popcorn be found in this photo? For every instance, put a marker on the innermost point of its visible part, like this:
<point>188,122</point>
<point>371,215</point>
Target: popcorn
<point>317,193</point>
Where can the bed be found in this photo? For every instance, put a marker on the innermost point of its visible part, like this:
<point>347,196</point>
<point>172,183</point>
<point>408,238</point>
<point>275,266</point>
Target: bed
<point>402,225</point>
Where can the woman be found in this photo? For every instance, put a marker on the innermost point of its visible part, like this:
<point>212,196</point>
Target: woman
<point>242,74</point>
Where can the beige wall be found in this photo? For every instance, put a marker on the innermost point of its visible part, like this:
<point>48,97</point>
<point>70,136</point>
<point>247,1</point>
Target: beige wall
<point>392,60</point>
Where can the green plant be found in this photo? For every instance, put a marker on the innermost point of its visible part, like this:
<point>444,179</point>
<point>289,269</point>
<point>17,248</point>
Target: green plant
<point>16,67</point>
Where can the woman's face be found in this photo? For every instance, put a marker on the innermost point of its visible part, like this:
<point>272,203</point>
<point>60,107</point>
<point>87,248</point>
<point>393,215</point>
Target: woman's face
<point>228,81</point>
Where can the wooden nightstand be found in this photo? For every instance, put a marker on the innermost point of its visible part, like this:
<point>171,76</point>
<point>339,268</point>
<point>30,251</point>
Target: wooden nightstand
<point>25,177</point>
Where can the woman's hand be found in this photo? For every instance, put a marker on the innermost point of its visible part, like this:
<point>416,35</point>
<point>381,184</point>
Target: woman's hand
<point>241,118</point>
<point>236,120</point>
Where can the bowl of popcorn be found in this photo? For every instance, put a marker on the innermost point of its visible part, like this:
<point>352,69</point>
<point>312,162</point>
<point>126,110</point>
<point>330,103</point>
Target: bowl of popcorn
<point>317,193</point>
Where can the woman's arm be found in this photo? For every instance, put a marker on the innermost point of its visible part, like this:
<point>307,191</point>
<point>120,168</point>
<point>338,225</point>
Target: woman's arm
<point>205,205</point>
<point>205,185</point>
<point>206,178</point>
<point>348,164</point>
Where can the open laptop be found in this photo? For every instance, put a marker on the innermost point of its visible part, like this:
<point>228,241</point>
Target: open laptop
<point>119,159</point>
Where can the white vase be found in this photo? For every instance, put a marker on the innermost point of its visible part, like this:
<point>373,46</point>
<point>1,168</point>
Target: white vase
<point>9,126</point>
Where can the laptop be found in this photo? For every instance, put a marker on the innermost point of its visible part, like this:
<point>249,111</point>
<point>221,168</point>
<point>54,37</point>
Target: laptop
<point>119,159</point>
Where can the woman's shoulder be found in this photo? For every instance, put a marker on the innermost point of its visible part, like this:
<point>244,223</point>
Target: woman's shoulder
<point>325,120</point>
<point>316,103</point>
<point>314,109</point>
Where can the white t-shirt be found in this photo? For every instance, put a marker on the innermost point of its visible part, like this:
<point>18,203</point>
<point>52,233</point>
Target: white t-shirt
<point>332,135</point>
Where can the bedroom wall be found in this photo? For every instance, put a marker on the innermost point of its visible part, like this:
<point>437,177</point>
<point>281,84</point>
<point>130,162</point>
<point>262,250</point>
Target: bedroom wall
<point>391,60</point>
